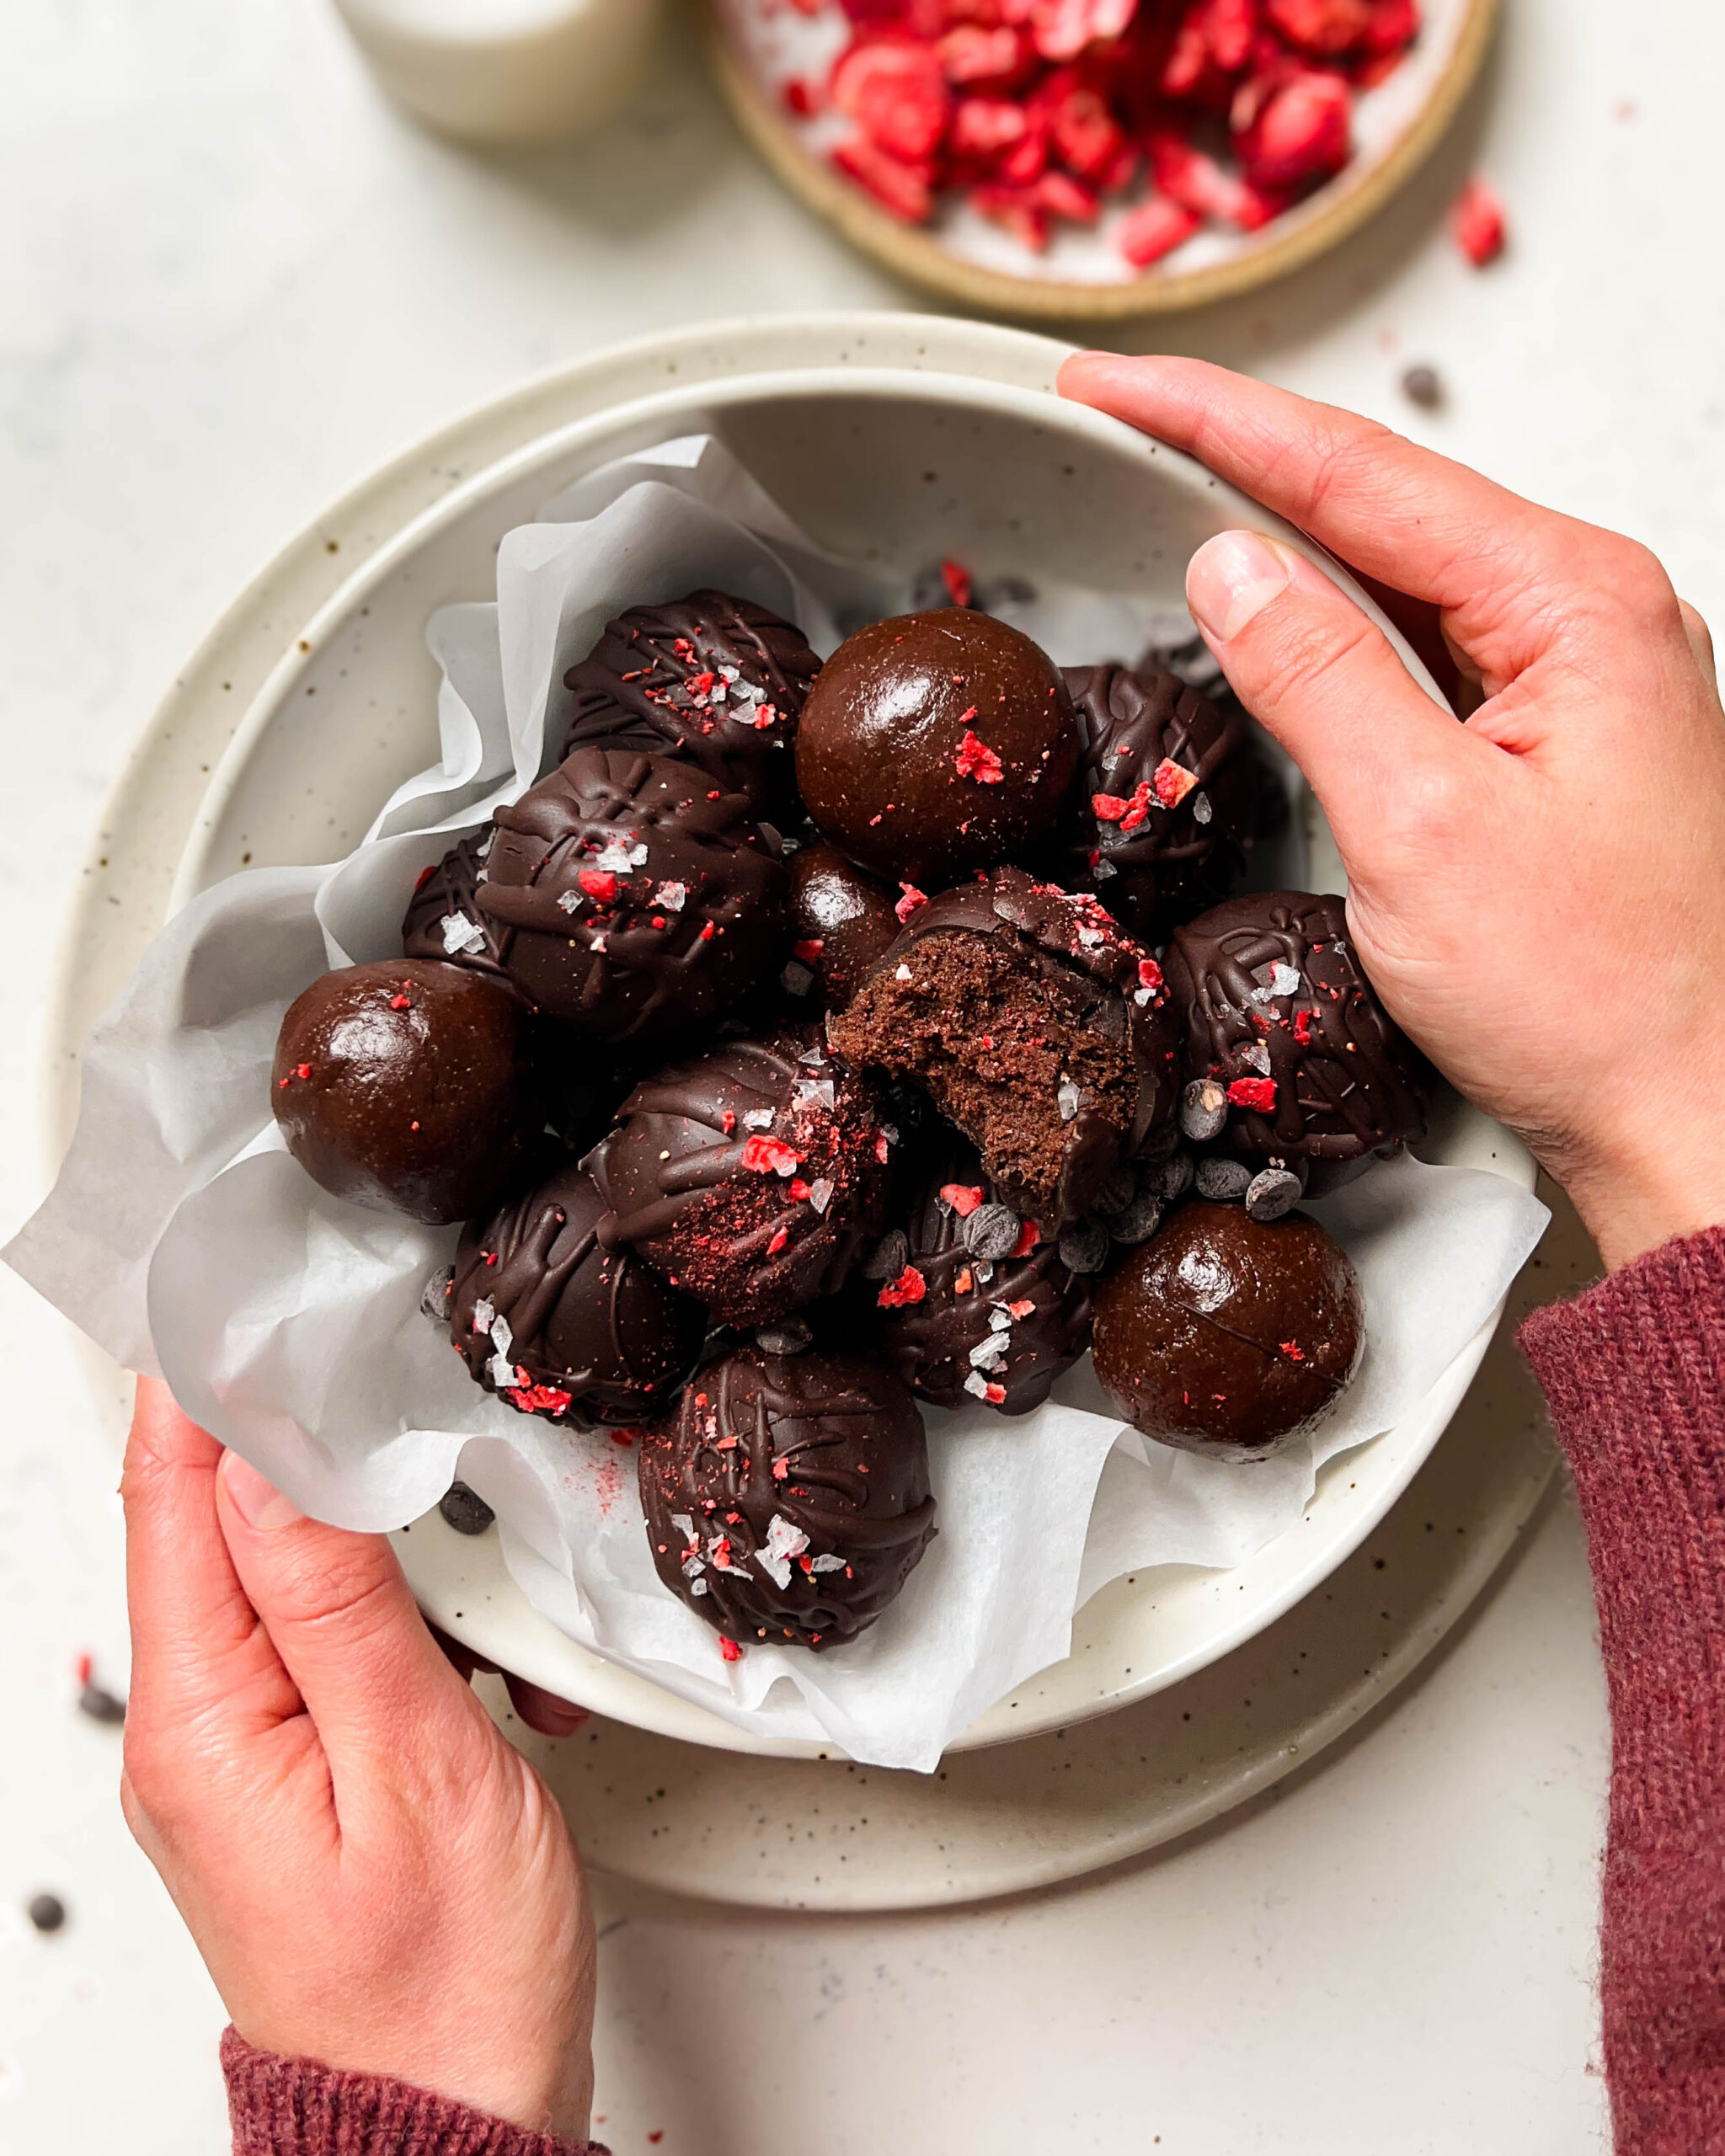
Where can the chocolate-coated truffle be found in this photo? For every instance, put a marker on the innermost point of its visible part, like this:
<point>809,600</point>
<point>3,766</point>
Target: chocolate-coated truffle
<point>787,1497</point>
<point>1227,1336</point>
<point>635,899</point>
<point>445,920</point>
<point>1275,1007</point>
<point>960,1328</point>
<point>558,1326</point>
<point>406,1086</point>
<point>1033,1022</point>
<point>842,921</point>
<point>1163,800</point>
<point>934,744</point>
<point>715,680</point>
<point>750,1176</point>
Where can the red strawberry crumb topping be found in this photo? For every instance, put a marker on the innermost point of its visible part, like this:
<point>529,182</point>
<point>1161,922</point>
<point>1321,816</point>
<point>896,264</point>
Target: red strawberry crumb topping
<point>963,1198</point>
<point>1029,1235</point>
<point>810,949</point>
<point>1259,1093</point>
<point>1173,782</point>
<point>770,1156</point>
<point>600,883</point>
<point>1150,974</point>
<point>910,1287</point>
<point>952,574</point>
<point>913,901</point>
<point>731,1649</point>
<point>976,760</point>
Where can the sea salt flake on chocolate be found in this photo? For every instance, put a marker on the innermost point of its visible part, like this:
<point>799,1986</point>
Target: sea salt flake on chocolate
<point>484,1314</point>
<point>461,934</point>
<point>795,978</point>
<point>672,896</point>
<point>999,1318</point>
<point>568,900</point>
<point>828,1561</point>
<point>684,1523</point>
<point>1068,1096</point>
<point>812,1092</point>
<point>1104,870</point>
<point>820,1194</point>
<point>502,1373</point>
<point>1284,979</point>
<point>903,973</point>
<point>1201,810</point>
<point>978,1385</point>
<point>1257,1058</point>
<point>986,1354</point>
<point>757,1119</point>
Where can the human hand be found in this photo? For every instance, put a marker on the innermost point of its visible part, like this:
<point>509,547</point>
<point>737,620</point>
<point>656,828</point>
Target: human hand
<point>375,1877</point>
<point>1535,893</point>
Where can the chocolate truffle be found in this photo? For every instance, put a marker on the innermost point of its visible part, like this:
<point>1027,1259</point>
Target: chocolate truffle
<point>405,1087</point>
<point>934,744</point>
<point>749,1177</point>
<point>787,1497</point>
<point>1276,1009</point>
<point>717,680</point>
<point>1227,1336</point>
<point>634,899</point>
<point>842,921</point>
<point>444,919</point>
<point>1033,1022</point>
<point>1163,802</point>
<point>962,1327</point>
<point>558,1326</point>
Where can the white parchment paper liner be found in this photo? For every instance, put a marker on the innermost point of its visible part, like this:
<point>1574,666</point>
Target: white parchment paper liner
<point>184,1239</point>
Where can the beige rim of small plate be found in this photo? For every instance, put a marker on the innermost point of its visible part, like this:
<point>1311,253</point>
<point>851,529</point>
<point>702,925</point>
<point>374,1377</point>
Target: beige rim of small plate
<point>1293,240</point>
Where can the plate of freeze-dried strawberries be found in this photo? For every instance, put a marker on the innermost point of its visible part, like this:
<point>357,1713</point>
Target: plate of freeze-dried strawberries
<point>1096,158</point>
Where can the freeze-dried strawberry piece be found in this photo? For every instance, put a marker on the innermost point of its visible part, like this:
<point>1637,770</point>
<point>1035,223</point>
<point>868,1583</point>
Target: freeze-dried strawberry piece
<point>1323,28</point>
<point>1083,134</point>
<point>1196,182</point>
<point>800,97</point>
<point>1121,172</point>
<point>1061,29</point>
<point>984,129</point>
<point>900,187</point>
<point>1155,228</point>
<point>1062,196</point>
<point>1012,208</point>
<point>1258,204</point>
<point>1214,41</point>
<point>1477,222</point>
<point>893,88</point>
<point>1392,25</point>
<point>1023,163</point>
<point>1290,133</point>
<point>973,58</point>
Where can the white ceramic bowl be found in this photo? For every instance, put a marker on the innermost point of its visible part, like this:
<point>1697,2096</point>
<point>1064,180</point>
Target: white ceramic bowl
<point>900,468</point>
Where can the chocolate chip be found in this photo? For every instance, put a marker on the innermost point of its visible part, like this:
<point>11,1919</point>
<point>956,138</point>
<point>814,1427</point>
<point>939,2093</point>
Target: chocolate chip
<point>1203,1109</point>
<point>888,1258</point>
<point>1139,1222</point>
<point>1222,1181</point>
<point>466,1513</point>
<point>1118,1192</point>
<point>992,1231</point>
<point>1171,1178</point>
<point>791,1336</point>
<point>1422,386</point>
<point>47,1912</point>
<point>1084,1246</point>
<point>100,1704</point>
<point>1271,1193</point>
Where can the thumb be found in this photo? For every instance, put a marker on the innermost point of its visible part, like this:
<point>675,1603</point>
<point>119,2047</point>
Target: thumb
<point>342,1618</point>
<point>1328,684</point>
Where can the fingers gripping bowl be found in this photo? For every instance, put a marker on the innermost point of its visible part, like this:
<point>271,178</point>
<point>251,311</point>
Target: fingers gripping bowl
<point>1017,486</point>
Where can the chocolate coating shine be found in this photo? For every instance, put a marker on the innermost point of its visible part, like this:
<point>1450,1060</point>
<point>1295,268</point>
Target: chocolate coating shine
<point>749,1177</point>
<point>787,1497</point>
<point>583,1331</point>
<point>717,680</point>
<point>1154,854</point>
<point>405,1087</point>
<point>1227,1336</point>
<point>632,898</point>
<point>1268,991</point>
<point>996,1335</point>
<point>842,921</point>
<point>1016,1007</point>
<point>445,920</point>
<point>934,744</point>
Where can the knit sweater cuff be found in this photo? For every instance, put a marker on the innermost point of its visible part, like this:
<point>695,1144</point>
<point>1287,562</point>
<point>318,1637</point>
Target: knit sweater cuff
<point>295,2107</point>
<point>1635,1373</point>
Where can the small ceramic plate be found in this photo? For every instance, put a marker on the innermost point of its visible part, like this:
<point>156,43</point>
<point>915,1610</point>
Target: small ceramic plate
<point>1082,278</point>
<point>899,468</point>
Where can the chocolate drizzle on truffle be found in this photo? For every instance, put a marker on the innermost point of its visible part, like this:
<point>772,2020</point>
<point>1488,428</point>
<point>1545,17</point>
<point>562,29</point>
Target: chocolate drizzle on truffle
<point>1026,1014</point>
<point>633,898</point>
<point>1163,800</point>
<point>1276,1007</point>
<point>750,1176</point>
<point>717,679</point>
<point>445,920</point>
<point>787,1497</point>
<point>961,1329</point>
<point>558,1325</point>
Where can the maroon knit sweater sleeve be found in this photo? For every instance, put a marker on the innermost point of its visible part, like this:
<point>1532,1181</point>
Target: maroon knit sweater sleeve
<point>295,2107</point>
<point>1635,1372</point>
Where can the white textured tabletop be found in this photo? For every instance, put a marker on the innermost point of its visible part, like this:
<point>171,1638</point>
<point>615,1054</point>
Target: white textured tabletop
<point>231,280</point>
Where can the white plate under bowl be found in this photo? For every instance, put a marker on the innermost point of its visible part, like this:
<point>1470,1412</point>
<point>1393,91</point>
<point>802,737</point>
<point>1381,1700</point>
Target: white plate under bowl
<point>901,468</point>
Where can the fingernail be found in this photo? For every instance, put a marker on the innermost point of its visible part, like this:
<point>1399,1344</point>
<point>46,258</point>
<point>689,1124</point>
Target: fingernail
<point>1231,579</point>
<point>257,1501</point>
